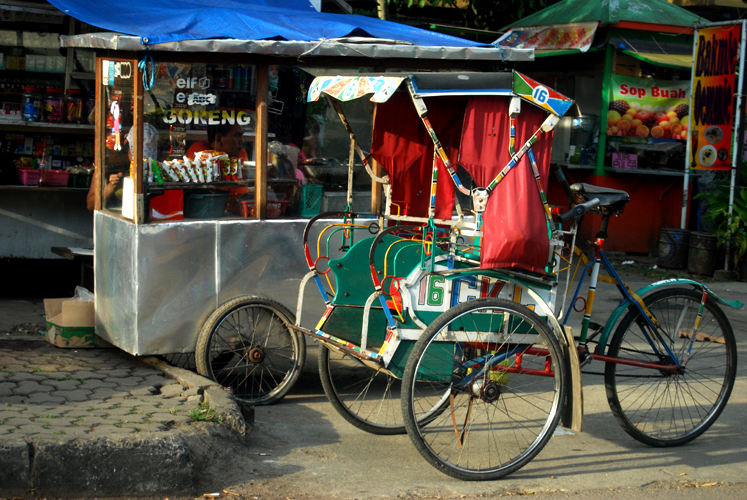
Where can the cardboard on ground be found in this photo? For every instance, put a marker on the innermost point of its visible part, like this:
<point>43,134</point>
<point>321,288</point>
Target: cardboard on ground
<point>71,323</point>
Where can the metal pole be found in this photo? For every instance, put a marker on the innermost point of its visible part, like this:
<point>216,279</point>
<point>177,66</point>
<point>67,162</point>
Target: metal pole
<point>688,147</point>
<point>602,144</point>
<point>737,126</point>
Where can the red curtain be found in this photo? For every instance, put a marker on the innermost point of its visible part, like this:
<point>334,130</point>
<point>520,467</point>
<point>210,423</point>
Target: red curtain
<point>404,149</point>
<point>514,228</point>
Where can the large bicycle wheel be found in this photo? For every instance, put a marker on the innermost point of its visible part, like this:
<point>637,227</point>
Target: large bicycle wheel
<point>365,395</point>
<point>502,371</point>
<point>246,347</point>
<point>674,406</point>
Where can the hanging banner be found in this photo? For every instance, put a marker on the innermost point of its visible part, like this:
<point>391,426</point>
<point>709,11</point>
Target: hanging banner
<point>714,87</point>
<point>640,107</point>
<point>556,37</point>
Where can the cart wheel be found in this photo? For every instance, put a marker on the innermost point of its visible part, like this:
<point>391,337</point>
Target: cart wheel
<point>367,396</point>
<point>246,347</point>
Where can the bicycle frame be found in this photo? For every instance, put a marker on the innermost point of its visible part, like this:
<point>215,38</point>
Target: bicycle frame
<point>630,298</point>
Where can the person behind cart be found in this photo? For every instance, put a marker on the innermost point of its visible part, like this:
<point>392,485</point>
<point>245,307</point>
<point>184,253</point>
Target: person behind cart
<point>228,139</point>
<point>150,149</point>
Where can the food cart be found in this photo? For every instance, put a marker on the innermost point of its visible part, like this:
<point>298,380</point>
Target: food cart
<point>621,61</point>
<point>159,278</point>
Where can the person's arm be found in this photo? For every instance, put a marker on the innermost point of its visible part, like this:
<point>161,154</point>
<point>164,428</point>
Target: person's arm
<point>109,189</point>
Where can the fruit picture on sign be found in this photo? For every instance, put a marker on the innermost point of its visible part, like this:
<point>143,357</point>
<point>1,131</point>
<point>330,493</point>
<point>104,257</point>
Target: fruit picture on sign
<point>646,108</point>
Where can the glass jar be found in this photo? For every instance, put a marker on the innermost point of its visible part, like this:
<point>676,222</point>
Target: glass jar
<point>53,105</point>
<point>32,104</point>
<point>91,108</point>
<point>73,106</point>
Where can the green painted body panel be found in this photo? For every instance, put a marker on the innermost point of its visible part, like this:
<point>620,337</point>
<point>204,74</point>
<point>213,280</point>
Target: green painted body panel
<point>438,365</point>
<point>346,322</point>
<point>353,273</point>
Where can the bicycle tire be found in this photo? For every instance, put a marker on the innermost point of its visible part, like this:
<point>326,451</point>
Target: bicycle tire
<point>497,423</point>
<point>673,409</point>
<point>246,347</point>
<point>366,397</point>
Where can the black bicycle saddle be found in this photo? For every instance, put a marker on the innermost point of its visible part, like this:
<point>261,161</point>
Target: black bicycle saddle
<point>610,200</point>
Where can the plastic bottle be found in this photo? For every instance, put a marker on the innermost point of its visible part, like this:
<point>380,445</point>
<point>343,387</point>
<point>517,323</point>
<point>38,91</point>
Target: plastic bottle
<point>91,108</point>
<point>32,104</point>
<point>73,106</point>
<point>53,105</point>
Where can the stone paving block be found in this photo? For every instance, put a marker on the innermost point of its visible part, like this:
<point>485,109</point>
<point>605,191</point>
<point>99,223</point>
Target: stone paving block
<point>155,379</point>
<point>27,387</point>
<point>131,382</point>
<point>13,399</point>
<point>6,388</point>
<point>119,401</point>
<point>14,366</point>
<point>172,390</point>
<point>143,371</point>
<point>95,421</point>
<point>95,383</point>
<point>78,412</point>
<point>63,385</point>
<point>21,376</point>
<point>31,428</point>
<point>50,367</point>
<point>77,395</point>
<point>45,408</point>
<point>117,373</point>
<point>108,430</point>
<point>181,418</point>
<point>14,468</point>
<point>138,392</point>
<point>76,431</point>
<point>192,391</point>
<point>87,374</point>
<point>44,397</point>
<point>146,427</point>
<point>15,421</point>
<point>104,393</point>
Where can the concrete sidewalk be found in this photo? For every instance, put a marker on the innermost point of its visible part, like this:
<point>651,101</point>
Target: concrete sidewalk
<point>89,421</point>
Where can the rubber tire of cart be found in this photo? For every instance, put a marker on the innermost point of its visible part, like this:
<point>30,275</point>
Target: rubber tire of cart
<point>282,352</point>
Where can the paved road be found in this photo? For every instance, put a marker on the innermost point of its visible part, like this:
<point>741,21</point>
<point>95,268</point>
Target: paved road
<point>302,449</point>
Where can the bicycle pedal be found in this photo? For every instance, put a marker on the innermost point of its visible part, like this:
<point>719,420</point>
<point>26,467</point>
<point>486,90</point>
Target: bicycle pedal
<point>584,358</point>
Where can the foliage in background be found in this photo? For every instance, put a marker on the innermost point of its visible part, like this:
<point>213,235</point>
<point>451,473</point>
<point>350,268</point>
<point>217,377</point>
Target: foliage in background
<point>730,235</point>
<point>484,14</point>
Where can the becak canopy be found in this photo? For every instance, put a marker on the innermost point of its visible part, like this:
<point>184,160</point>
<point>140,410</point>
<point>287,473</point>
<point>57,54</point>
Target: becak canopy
<point>159,21</point>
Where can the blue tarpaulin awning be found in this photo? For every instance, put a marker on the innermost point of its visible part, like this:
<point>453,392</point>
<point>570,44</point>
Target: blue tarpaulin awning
<point>159,21</point>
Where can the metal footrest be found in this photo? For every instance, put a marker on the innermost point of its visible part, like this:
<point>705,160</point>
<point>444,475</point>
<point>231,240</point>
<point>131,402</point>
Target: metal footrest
<point>340,344</point>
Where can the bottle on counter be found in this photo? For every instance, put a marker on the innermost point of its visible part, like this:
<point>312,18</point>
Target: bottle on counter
<point>90,112</point>
<point>53,105</point>
<point>73,106</point>
<point>31,104</point>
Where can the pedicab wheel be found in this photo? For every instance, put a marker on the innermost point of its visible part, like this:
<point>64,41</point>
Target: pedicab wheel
<point>364,395</point>
<point>246,347</point>
<point>503,371</point>
<point>671,407</point>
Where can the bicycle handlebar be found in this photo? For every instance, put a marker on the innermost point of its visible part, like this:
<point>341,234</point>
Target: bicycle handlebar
<point>579,210</point>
